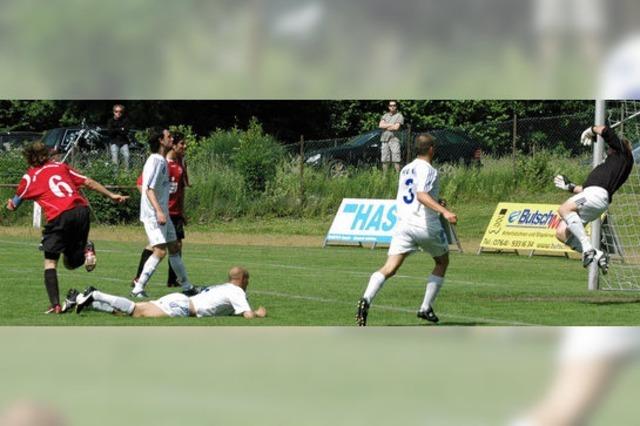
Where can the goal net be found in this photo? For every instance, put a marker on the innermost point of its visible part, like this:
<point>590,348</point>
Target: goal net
<point>620,232</point>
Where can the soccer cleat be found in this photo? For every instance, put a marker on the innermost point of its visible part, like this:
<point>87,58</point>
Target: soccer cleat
<point>596,255</point>
<point>603,261</point>
<point>362,313</point>
<point>174,284</point>
<point>70,301</point>
<point>55,309</point>
<point>85,299</point>
<point>90,256</point>
<point>428,315</point>
<point>139,295</point>
<point>587,257</point>
<point>192,291</point>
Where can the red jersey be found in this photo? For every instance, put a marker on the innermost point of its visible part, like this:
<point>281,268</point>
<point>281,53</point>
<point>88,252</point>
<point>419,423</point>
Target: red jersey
<point>54,186</point>
<point>178,179</point>
<point>177,182</point>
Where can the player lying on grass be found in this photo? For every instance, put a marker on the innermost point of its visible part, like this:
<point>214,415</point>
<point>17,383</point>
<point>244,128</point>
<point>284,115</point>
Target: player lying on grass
<point>592,198</point>
<point>217,300</point>
<point>55,187</point>
<point>418,227</point>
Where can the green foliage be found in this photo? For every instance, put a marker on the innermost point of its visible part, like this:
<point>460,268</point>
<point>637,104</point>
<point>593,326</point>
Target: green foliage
<point>103,209</point>
<point>257,156</point>
<point>217,146</point>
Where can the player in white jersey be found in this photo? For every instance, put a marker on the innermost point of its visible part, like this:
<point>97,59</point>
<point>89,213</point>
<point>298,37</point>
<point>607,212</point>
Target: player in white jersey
<point>218,300</point>
<point>154,214</point>
<point>418,228</point>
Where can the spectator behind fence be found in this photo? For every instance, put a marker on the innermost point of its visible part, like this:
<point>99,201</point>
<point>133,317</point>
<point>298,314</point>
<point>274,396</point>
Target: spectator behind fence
<point>389,143</point>
<point>118,127</point>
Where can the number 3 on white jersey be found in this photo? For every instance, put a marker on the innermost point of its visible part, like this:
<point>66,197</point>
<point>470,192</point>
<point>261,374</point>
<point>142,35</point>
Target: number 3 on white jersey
<point>59,188</point>
<point>411,196</point>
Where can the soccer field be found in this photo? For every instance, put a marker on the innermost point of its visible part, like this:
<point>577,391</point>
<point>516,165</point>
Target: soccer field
<point>303,286</point>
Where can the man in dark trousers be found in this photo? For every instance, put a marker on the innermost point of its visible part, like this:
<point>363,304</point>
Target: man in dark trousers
<point>118,127</point>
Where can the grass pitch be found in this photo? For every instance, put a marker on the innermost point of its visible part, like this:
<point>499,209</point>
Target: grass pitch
<point>312,286</point>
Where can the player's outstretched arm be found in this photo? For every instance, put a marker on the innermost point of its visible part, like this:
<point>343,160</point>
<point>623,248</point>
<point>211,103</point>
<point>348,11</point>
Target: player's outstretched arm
<point>261,312</point>
<point>13,203</point>
<point>428,201</point>
<point>564,183</point>
<point>98,187</point>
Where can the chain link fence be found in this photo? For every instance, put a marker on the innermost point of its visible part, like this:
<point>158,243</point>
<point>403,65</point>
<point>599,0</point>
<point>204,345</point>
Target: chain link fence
<point>511,144</point>
<point>457,145</point>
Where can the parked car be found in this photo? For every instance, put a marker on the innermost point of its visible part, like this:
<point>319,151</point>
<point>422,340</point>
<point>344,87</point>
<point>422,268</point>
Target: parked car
<point>452,147</point>
<point>636,153</point>
<point>16,140</point>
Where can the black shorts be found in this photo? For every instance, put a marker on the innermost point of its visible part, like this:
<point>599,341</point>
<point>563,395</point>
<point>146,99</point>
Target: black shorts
<point>66,233</point>
<point>178,223</point>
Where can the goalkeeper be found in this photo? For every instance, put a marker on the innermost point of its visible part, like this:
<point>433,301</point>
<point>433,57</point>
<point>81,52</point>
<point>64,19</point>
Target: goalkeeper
<point>592,198</point>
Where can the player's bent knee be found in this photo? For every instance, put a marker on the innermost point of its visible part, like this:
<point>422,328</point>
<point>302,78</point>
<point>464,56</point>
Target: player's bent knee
<point>160,251</point>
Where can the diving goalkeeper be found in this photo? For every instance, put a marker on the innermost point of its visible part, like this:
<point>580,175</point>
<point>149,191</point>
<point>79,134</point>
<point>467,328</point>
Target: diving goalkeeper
<point>592,198</point>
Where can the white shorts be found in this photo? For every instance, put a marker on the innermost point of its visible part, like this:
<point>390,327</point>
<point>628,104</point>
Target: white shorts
<point>591,202</point>
<point>407,239</point>
<point>390,151</point>
<point>174,304</point>
<point>159,234</point>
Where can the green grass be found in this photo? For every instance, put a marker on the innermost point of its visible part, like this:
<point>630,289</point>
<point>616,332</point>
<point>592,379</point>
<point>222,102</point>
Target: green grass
<point>315,286</point>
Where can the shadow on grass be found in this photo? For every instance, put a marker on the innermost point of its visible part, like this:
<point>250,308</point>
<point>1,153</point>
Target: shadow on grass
<point>607,302</point>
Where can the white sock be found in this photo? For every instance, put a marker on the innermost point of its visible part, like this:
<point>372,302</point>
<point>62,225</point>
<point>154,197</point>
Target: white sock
<point>116,302</point>
<point>180,270</point>
<point>102,307</point>
<point>375,284</point>
<point>574,223</point>
<point>434,283</point>
<point>149,268</point>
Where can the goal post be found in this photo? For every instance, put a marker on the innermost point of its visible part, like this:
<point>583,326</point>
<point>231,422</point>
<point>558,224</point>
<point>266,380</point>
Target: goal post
<point>619,233</point>
<point>598,149</point>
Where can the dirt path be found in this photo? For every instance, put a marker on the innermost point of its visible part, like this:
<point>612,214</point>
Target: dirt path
<point>218,238</point>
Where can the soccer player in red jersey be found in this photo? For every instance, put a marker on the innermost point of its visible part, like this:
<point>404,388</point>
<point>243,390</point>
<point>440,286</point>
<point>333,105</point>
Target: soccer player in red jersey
<point>54,186</point>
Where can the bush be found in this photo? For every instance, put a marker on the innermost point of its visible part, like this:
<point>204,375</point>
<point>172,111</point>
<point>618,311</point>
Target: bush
<point>257,157</point>
<point>103,209</point>
<point>218,146</point>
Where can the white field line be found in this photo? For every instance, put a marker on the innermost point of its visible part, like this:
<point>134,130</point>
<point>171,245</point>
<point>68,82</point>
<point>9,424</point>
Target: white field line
<point>327,301</point>
<point>305,297</point>
<point>384,307</point>
<point>313,270</point>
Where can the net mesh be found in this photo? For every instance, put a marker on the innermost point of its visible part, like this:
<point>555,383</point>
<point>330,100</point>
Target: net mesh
<point>621,227</point>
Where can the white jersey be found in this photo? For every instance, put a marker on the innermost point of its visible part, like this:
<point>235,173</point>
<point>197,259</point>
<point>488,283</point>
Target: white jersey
<point>220,300</point>
<point>417,176</point>
<point>155,175</point>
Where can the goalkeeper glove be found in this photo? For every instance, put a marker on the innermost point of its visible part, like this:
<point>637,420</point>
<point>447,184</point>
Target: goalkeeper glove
<point>564,183</point>
<point>588,136</point>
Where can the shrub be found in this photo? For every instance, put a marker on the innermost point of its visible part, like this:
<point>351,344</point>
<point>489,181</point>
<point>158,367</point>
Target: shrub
<point>257,157</point>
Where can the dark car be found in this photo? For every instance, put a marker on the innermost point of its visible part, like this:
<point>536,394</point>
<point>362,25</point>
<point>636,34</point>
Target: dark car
<point>16,140</point>
<point>636,153</point>
<point>452,147</point>
<point>61,139</point>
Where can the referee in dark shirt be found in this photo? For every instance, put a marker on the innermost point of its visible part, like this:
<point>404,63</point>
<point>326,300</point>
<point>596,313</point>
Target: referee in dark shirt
<point>592,198</point>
